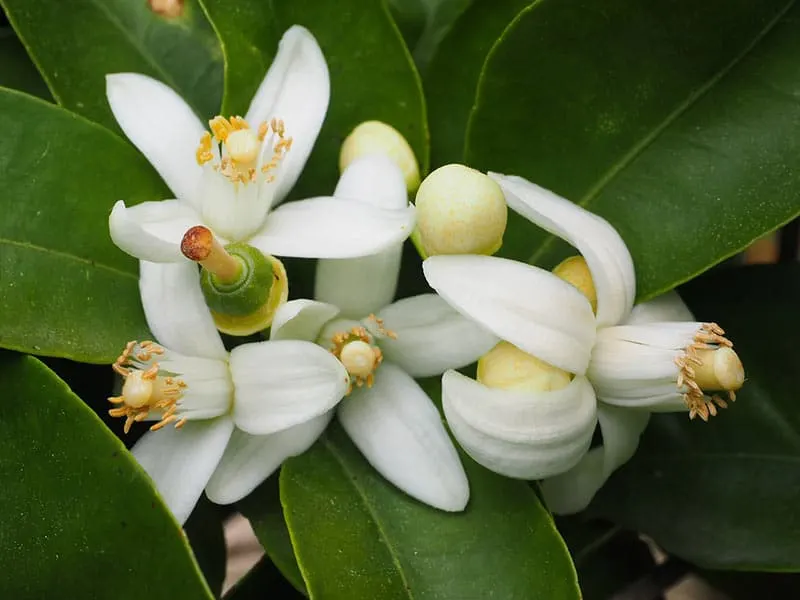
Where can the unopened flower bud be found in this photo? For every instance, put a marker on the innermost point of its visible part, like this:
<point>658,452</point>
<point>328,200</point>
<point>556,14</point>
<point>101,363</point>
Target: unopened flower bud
<point>242,287</point>
<point>575,271</point>
<point>375,137</point>
<point>507,367</point>
<point>459,211</point>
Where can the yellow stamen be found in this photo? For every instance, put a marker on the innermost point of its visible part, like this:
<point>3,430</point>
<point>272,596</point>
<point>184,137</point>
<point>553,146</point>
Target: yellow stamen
<point>221,128</point>
<point>359,356</point>
<point>709,364</point>
<point>144,390</point>
<point>200,245</point>
<point>204,153</point>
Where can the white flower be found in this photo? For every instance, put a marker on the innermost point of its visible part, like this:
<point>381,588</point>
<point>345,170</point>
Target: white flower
<point>279,393</point>
<point>230,183</point>
<point>652,366</point>
<point>384,346</point>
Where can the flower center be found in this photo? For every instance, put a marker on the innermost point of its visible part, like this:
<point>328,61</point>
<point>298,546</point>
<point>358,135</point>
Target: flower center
<point>144,389</point>
<point>242,149</point>
<point>709,364</point>
<point>359,355</point>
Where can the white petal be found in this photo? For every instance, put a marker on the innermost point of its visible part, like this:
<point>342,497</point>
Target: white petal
<point>284,383</point>
<point>176,310</point>
<point>527,435</point>
<point>332,228</point>
<point>301,320</point>
<point>527,306</point>
<point>667,307</point>
<point>400,433</point>
<point>250,459</point>
<point>152,230</point>
<point>181,461</point>
<point>572,491</point>
<point>604,250</point>
<point>234,211</point>
<point>360,286</point>
<point>295,89</point>
<point>431,336</point>
<point>161,125</point>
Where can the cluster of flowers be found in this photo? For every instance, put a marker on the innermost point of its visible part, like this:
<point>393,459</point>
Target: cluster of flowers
<point>557,351</point>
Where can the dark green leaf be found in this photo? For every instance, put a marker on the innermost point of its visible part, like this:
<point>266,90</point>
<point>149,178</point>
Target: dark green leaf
<point>357,536</point>
<point>67,290</point>
<point>263,581</point>
<point>451,81</point>
<point>76,44</point>
<point>207,539</point>
<point>372,75</point>
<point>724,494</point>
<point>83,520</point>
<point>263,509</point>
<point>19,72</point>
<point>676,121</point>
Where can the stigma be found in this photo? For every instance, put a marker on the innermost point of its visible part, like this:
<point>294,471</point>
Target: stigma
<point>240,148</point>
<point>359,355</point>
<point>145,389</point>
<point>709,364</point>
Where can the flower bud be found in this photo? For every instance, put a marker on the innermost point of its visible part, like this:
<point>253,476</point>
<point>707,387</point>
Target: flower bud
<point>507,367</point>
<point>575,271</point>
<point>459,211</point>
<point>375,137</point>
<point>242,287</point>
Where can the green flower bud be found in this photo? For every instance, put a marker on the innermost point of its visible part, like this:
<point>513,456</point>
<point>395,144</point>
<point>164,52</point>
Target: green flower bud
<point>459,211</point>
<point>375,137</point>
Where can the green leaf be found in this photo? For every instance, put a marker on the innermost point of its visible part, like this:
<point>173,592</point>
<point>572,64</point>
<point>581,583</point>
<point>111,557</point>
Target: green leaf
<point>675,121</point>
<point>372,75</point>
<point>263,509</point>
<point>357,536</point>
<point>83,520</point>
<point>76,44</point>
<point>67,290</point>
<point>723,494</point>
<point>452,79</point>
<point>19,72</point>
<point>204,529</point>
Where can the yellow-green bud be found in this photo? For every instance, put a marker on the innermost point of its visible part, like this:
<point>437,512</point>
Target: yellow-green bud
<point>507,367</point>
<point>375,137</point>
<point>460,211</point>
<point>575,271</point>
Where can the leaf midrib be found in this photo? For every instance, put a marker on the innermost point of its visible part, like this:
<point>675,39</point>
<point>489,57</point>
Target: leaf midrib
<point>68,256</point>
<point>638,148</point>
<point>371,510</point>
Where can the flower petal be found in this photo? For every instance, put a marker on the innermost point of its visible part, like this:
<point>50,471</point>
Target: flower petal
<point>296,89</point>
<point>527,306</point>
<point>431,336</point>
<point>400,433</point>
<point>176,310</point>
<point>527,435</point>
<point>181,461</point>
<point>360,286</point>
<point>152,230</point>
<point>572,491</point>
<point>284,383</point>
<point>162,126</point>
<point>250,459</point>
<point>301,320</point>
<point>605,252</point>
<point>667,307</point>
<point>332,228</point>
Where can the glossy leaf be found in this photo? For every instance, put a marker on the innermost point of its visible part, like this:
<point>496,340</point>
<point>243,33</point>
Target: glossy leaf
<point>723,494</point>
<point>263,509</point>
<point>357,536</point>
<point>451,81</point>
<point>83,520</point>
<point>19,72</point>
<point>372,75</point>
<point>67,290</point>
<point>75,44</point>
<point>678,122</point>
